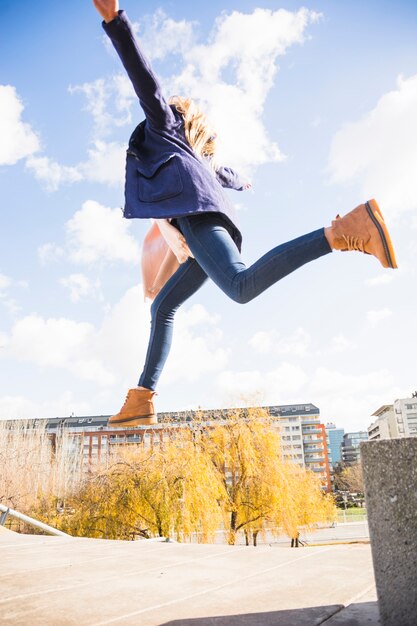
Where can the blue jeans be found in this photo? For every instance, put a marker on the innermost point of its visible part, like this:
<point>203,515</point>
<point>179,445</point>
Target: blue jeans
<point>216,256</point>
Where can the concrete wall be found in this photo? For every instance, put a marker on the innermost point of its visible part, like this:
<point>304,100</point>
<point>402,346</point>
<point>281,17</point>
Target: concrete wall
<point>390,473</point>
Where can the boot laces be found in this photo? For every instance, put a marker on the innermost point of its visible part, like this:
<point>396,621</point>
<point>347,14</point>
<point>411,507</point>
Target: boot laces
<point>129,393</point>
<point>354,243</point>
<point>126,400</point>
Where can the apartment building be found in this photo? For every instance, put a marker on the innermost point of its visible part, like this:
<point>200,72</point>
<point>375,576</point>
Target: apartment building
<point>385,425</point>
<point>350,448</point>
<point>406,416</point>
<point>303,436</point>
<point>334,442</point>
<point>395,420</point>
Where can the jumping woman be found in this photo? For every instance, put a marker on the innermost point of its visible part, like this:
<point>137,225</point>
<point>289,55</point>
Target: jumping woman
<point>172,175</point>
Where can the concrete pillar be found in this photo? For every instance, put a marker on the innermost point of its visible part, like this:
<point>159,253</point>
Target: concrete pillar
<point>390,474</point>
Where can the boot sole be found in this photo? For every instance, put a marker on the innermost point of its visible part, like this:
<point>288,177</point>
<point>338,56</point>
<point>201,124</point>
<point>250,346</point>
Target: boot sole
<point>135,421</point>
<point>377,218</point>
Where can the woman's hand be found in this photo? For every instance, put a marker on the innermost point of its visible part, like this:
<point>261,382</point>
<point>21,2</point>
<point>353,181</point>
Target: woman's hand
<point>175,240</point>
<point>108,9</point>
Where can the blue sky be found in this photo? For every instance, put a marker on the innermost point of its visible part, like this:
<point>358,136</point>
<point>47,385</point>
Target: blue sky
<point>333,125</point>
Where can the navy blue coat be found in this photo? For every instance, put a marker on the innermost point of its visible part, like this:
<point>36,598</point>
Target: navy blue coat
<point>164,178</point>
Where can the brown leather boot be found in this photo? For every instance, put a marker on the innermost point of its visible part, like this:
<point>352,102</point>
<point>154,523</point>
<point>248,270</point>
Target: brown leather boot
<point>364,229</point>
<point>137,410</point>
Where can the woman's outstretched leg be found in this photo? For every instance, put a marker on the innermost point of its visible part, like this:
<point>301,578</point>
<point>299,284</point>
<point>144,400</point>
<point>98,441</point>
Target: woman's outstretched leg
<point>138,408</point>
<point>207,236</point>
<point>216,252</point>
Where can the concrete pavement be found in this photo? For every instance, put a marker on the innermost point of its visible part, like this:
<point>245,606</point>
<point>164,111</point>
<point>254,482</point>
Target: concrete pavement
<point>62,582</point>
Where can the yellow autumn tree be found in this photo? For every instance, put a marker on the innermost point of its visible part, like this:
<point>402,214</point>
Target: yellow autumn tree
<point>224,474</point>
<point>247,456</point>
<point>264,492</point>
<point>306,504</point>
<point>170,491</point>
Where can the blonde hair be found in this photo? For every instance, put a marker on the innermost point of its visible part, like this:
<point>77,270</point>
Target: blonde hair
<point>198,130</point>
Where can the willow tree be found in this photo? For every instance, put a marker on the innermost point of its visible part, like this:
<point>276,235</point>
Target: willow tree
<point>306,504</point>
<point>264,492</point>
<point>179,493</point>
<point>246,454</point>
<point>170,491</point>
<point>226,474</point>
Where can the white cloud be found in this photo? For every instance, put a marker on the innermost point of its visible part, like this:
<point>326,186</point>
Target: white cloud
<point>122,341</point>
<point>173,37</point>
<point>350,399</point>
<point>50,252</point>
<point>109,101</point>
<point>47,342</point>
<point>338,384</point>
<point>112,355</point>
<point>295,344</point>
<point>5,299</point>
<point>382,279</point>
<point>58,343</point>
<point>78,285</point>
<point>262,341</point>
<point>374,317</point>
<point>196,315</point>
<point>5,282</point>
<point>94,235</point>
<point>51,173</point>
<point>18,140</point>
<point>274,387</point>
<point>21,407</point>
<point>105,164</point>
<point>346,399</point>
<point>379,151</point>
<point>340,343</point>
<point>232,74</point>
<point>197,346</point>
<point>98,233</point>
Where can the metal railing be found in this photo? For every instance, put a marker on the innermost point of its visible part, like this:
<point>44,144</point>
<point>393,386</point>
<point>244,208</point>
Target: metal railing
<point>6,511</point>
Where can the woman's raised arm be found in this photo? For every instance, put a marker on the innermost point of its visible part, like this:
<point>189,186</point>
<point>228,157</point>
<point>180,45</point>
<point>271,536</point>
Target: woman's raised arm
<point>145,83</point>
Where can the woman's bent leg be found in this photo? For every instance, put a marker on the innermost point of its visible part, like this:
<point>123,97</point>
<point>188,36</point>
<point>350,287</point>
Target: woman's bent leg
<point>188,278</point>
<point>216,252</point>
